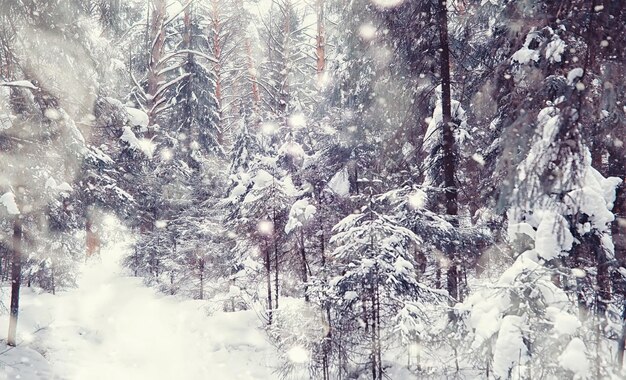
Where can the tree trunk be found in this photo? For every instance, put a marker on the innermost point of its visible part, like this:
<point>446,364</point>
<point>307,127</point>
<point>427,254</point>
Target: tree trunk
<point>448,143</point>
<point>378,332</point>
<point>136,260</point>
<point>446,107</point>
<point>268,279</point>
<point>603,278</point>
<point>305,269</point>
<point>217,67</point>
<point>275,273</point>
<point>256,98</point>
<point>16,279</point>
<point>320,48</point>
<point>53,284</point>
<point>374,329</point>
<point>172,292</point>
<point>92,239</point>
<point>621,343</point>
<point>2,259</point>
<point>157,42</point>
<point>201,265</point>
<point>7,265</point>
<point>322,248</point>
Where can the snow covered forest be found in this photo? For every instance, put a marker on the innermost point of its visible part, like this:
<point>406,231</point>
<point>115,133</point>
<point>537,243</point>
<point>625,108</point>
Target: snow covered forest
<point>312,189</point>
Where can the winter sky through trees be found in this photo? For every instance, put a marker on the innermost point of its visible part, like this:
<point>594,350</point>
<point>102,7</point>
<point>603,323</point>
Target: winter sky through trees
<point>312,189</point>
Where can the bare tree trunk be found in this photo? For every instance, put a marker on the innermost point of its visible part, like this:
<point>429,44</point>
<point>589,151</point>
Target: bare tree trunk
<point>328,338</point>
<point>217,67</point>
<point>92,239</point>
<point>256,98</point>
<point>446,106</point>
<point>4,256</point>
<point>305,267</point>
<point>320,48</point>
<point>7,265</point>
<point>157,42</point>
<point>54,291</point>
<point>621,343</point>
<point>201,268</point>
<point>16,279</point>
<point>109,16</point>
<point>378,331</point>
<point>619,236</point>
<point>448,143</point>
<point>374,343</point>
<point>136,260</point>
<point>172,292</point>
<point>268,278</point>
<point>275,273</point>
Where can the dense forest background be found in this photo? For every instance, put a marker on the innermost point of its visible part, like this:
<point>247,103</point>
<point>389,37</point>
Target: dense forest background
<point>393,185</point>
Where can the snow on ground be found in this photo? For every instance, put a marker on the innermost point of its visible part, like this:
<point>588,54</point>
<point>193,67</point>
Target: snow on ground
<point>113,327</point>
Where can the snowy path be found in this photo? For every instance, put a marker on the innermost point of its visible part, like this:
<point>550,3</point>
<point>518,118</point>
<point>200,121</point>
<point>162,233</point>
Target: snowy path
<point>113,327</point>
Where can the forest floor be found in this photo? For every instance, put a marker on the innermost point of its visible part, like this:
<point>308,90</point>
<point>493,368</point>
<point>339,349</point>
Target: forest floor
<point>114,327</point>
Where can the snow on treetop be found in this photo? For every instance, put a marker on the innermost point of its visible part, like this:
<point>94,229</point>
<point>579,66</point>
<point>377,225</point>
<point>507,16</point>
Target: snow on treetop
<point>595,198</point>
<point>403,266</point>
<point>340,183</point>
<point>63,187</point>
<point>8,201</point>
<point>262,179</point>
<point>574,74</point>
<point>137,118</point>
<point>555,49</point>
<point>20,83</point>
<point>301,211</point>
<point>516,229</point>
<point>553,237</point>
<point>292,149</point>
<point>525,54</point>
<point>143,145</point>
<point>237,191</point>
<point>387,3</point>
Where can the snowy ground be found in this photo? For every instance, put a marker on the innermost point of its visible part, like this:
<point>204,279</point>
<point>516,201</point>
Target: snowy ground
<point>113,327</point>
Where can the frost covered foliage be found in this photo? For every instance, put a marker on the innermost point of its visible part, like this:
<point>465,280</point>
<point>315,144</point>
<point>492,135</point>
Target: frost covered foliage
<point>53,79</point>
<point>560,195</point>
<point>523,324</point>
<point>378,295</point>
<point>544,316</point>
<point>409,205</point>
<point>433,141</point>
